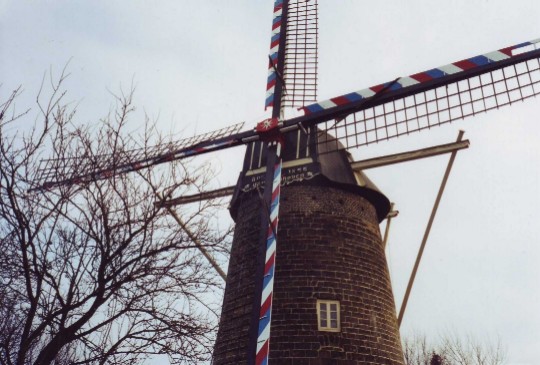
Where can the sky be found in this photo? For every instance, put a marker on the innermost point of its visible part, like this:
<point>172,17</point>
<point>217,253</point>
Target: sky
<point>201,65</point>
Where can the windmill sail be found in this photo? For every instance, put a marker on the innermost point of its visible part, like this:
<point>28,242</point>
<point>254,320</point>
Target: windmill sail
<point>301,58</point>
<point>405,105</point>
<point>430,98</point>
<point>80,169</point>
<point>296,65</point>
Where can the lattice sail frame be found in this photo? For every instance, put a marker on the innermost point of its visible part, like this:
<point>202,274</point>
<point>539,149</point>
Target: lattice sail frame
<point>424,109</point>
<point>301,53</point>
<point>80,169</point>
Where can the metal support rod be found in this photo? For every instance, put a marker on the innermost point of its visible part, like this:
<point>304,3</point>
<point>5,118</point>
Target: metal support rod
<point>389,217</point>
<point>426,233</point>
<point>195,240</point>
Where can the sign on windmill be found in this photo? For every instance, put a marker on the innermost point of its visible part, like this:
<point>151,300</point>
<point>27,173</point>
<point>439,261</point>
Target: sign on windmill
<point>331,298</point>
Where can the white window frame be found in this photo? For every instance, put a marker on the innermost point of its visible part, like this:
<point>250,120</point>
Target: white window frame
<point>324,316</point>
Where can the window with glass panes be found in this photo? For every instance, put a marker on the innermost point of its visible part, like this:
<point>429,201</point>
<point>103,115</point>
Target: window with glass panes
<point>328,315</point>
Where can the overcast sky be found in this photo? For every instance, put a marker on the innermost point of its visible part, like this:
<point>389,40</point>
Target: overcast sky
<point>201,65</point>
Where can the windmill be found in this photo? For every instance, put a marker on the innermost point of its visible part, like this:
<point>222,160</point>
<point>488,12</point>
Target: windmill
<point>332,117</point>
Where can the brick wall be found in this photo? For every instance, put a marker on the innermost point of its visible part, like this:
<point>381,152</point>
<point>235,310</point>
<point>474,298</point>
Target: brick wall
<point>329,247</point>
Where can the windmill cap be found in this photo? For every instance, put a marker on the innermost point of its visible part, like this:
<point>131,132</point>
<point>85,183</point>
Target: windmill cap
<point>335,162</point>
<point>337,171</point>
<point>313,158</point>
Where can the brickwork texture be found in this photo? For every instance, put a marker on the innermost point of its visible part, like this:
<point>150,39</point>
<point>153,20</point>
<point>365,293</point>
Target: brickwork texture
<point>329,248</point>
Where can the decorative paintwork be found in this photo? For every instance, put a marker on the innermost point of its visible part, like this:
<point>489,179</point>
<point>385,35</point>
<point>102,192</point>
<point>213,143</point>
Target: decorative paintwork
<point>274,48</point>
<point>265,314</point>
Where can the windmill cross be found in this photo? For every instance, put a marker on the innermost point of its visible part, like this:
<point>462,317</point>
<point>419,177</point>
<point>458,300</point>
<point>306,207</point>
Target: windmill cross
<point>308,153</point>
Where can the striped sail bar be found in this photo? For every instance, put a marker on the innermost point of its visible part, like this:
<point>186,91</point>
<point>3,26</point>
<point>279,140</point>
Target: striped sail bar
<point>301,53</point>
<point>86,168</point>
<point>430,98</point>
<point>265,313</point>
<point>274,52</point>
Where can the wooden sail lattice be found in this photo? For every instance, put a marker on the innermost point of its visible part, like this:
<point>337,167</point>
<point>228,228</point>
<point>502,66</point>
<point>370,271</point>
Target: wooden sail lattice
<point>438,106</point>
<point>85,168</point>
<point>301,58</point>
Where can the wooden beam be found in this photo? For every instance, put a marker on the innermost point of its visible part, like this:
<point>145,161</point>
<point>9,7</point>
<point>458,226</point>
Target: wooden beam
<point>410,156</point>
<point>193,238</point>
<point>205,195</point>
<point>391,214</point>
<point>356,165</point>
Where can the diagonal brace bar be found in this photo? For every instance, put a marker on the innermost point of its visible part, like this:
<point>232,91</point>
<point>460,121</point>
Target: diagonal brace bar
<point>426,233</point>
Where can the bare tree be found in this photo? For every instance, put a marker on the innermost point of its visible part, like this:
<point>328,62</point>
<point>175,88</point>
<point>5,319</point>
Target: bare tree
<point>96,273</point>
<point>471,351</point>
<point>417,350</point>
<point>452,349</point>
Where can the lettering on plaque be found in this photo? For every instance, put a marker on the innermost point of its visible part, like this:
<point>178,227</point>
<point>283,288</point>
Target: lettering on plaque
<point>288,176</point>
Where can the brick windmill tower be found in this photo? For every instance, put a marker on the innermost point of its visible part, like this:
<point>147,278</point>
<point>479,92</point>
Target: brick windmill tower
<point>315,289</point>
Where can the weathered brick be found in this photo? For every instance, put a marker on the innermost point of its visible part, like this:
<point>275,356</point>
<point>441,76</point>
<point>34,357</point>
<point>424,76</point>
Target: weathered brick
<point>329,247</point>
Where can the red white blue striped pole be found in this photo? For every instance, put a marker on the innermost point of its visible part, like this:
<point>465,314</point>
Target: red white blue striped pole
<point>268,131</point>
<point>265,313</point>
<point>274,63</point>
